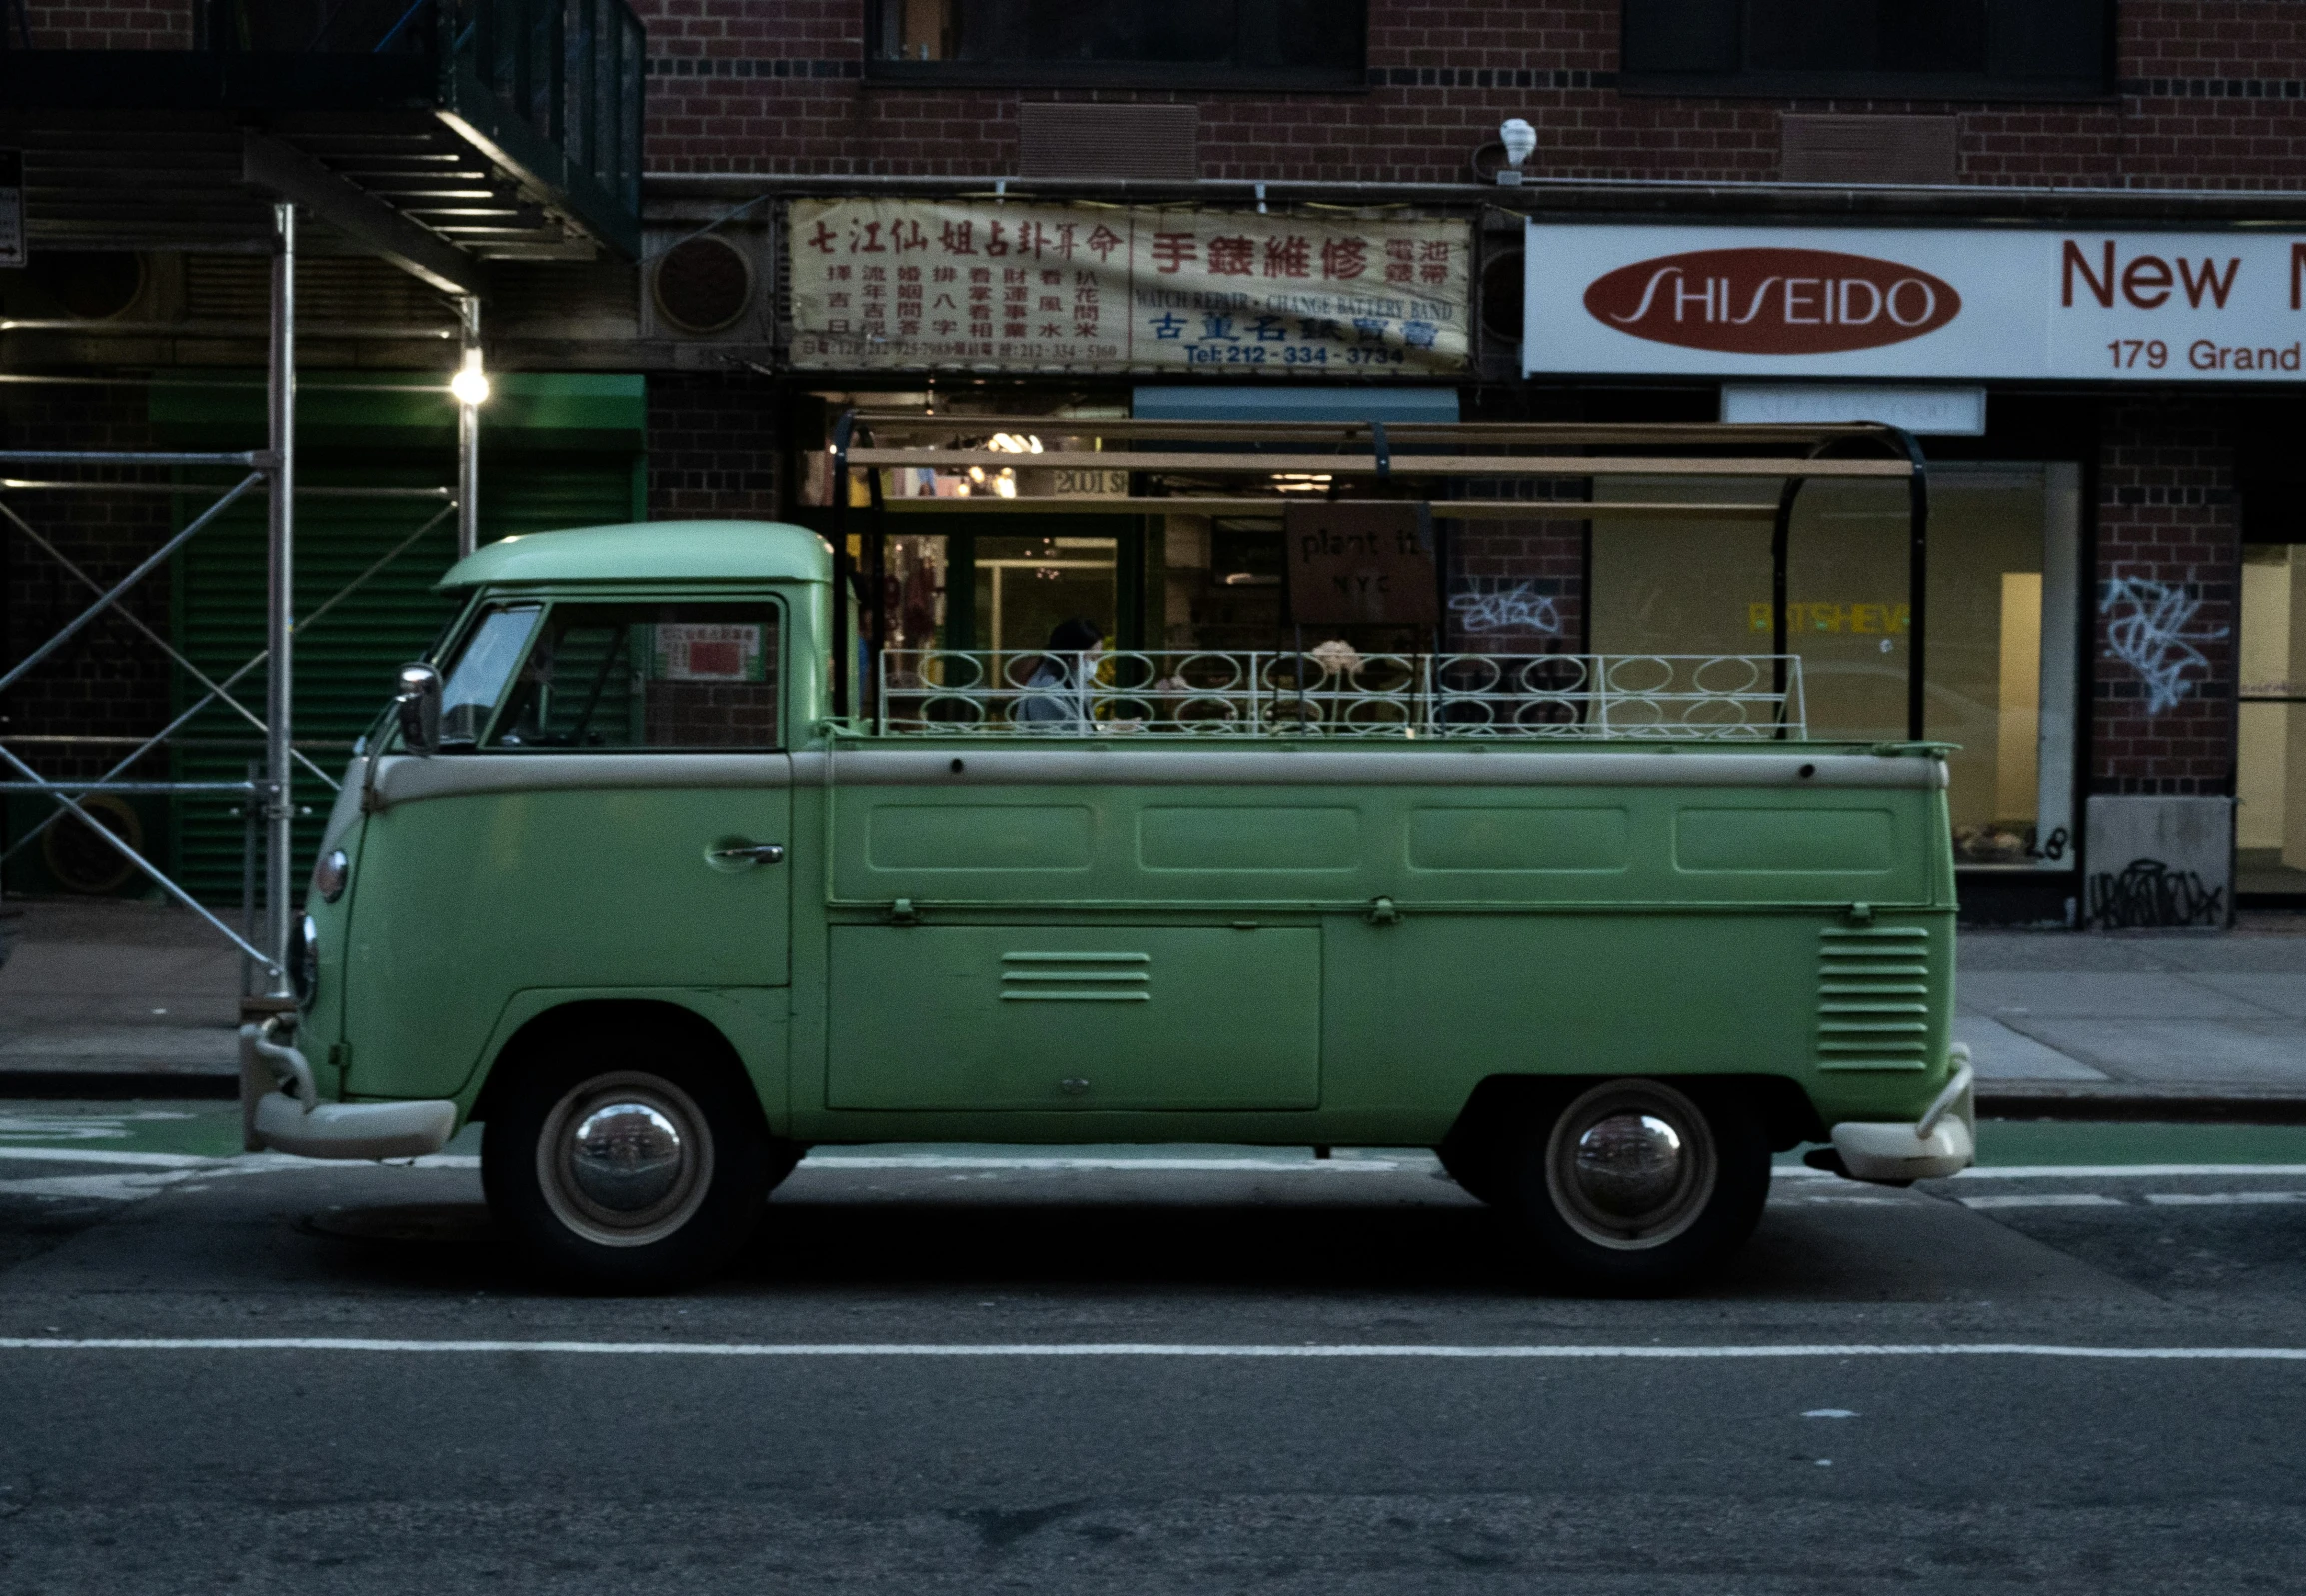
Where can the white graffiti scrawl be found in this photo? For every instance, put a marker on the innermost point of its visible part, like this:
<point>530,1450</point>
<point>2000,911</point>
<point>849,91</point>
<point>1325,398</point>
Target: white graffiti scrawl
<point>1493,607</point>
<point>2150,627</point>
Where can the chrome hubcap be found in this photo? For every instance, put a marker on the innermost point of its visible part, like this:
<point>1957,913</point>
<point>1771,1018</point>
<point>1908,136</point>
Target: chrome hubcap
<point>1631,1165</point>
<point>625,1159</point>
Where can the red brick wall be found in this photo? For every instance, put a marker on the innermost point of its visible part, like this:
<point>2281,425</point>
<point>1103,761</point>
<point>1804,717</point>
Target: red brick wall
<point>2165,605</point>
<point>2214,94</point>
<point>1516,587</point>
<point>123,25</point>
<point>713,447</point>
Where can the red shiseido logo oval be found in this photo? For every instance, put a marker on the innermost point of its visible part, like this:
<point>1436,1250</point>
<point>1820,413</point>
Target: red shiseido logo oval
<point>1772,301</point>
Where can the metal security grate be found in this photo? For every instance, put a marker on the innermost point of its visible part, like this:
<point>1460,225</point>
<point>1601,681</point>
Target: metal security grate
<point>1873,998</point>
<point>1332,691</point>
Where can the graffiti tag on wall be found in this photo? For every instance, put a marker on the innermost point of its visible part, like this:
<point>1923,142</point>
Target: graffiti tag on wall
<point>1489,605</point>
<point>2150,627</point>
<point>2148,894</point>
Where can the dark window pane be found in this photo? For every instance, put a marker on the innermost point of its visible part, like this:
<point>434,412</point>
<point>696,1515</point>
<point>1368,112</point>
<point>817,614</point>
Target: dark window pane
<point>1813,35</point>
<point>1941,36</point>
<point>1123,33</point>
<point>2016,41</point>
<point>1681,35</point>
<point>2059,39</point>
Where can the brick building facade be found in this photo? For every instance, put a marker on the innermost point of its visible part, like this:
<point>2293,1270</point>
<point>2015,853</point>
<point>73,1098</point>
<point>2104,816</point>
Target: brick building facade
<point>2140,115</point>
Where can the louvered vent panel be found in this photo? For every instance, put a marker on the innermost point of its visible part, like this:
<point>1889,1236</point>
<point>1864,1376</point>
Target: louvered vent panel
<point>1874,1000</point>
<point>1867,148</point>
<point>1160,143</point>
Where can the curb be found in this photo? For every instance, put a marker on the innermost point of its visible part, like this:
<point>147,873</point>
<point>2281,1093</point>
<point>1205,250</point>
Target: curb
<point>114,1085</point>
<point>2121,1103</point>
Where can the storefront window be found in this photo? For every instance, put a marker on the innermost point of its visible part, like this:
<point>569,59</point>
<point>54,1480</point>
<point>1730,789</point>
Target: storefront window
<point>2270,764</point>
<point>2002,627</point>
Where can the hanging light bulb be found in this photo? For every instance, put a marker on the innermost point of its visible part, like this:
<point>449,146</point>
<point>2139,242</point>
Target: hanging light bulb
<point>470,385</point>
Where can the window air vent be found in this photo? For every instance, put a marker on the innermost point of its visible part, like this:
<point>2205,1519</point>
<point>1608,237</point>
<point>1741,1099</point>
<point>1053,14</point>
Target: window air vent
<point>1866,149</point>
<point>1157,143</point>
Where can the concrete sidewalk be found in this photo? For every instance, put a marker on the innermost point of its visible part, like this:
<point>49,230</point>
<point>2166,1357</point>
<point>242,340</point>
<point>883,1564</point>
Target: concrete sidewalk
<point>2172,1010</point>
<point>126,993</point>
<point>108,989</point>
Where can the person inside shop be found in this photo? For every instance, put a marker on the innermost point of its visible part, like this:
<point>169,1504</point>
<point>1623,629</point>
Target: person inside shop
<point>1052,699</point>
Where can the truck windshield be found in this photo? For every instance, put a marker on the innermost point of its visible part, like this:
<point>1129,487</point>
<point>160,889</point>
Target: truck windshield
<point>477,680</point>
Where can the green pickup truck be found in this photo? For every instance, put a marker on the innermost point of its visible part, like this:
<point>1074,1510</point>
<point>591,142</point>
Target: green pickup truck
<point>615,880</point>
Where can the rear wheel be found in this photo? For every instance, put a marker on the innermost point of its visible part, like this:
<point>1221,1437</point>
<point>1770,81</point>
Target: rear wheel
<point>1637,1186</point>
<point>623,1166</point>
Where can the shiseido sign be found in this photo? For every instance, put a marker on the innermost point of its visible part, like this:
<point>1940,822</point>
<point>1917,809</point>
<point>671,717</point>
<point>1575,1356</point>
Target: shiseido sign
<point>1879,302</point>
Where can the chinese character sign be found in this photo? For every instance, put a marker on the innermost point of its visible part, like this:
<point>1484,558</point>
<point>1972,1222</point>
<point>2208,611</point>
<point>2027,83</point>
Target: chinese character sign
<point>911,284</point>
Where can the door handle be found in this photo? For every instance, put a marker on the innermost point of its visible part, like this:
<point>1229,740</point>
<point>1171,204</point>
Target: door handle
<point>752,854</point>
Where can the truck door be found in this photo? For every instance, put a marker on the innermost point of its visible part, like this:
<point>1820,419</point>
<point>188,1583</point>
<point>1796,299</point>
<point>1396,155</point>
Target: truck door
<point>613,816</point>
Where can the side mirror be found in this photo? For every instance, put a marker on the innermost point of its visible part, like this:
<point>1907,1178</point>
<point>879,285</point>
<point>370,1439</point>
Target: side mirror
<point>419,704</point>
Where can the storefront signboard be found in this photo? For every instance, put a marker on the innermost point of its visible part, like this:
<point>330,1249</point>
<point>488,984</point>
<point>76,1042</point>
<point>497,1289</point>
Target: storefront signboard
<point>909,284</point>
<point>1369,560</point>
<point>1917,302</point>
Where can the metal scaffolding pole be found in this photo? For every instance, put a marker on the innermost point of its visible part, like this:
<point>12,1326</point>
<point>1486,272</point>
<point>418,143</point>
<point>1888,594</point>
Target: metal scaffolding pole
<point>469,392</point>
<point>280,527</point>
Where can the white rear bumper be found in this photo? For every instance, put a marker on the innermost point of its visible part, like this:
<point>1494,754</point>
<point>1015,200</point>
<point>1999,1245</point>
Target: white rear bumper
<point>1942,1143</point>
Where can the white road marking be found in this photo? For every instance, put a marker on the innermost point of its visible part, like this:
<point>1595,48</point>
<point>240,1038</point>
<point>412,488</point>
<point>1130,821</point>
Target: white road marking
<point>1158,1349</point>
<point>1830,1414</point>
<point>142,1161</point>
<point>105,1188</point>
<point>2045,1199</point>
<point>2214,1199</point>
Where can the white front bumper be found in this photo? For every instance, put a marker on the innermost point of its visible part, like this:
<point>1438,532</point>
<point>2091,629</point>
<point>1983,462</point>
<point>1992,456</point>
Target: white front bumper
<point>280,1112</point>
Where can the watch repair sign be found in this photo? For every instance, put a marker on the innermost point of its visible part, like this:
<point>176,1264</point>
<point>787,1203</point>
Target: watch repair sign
<point>1914,302</point>
<point>979,285</point>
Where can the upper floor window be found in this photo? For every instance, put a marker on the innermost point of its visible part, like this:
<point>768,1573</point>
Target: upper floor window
<point>1925,49</point>
<point>1179,44</point>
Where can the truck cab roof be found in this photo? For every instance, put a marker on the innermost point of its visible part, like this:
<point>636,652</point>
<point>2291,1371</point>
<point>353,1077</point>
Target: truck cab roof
<point>650,551</point>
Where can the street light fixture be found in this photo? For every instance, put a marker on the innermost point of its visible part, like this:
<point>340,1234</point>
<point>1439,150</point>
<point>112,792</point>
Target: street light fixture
<point>1520,141</point>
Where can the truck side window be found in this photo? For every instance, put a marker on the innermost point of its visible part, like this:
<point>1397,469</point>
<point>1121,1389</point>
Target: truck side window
<point>485,663</point>
<point>648,676</point>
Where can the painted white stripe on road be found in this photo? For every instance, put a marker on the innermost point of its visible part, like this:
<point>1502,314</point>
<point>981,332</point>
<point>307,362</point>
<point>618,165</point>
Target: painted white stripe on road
<point>2214,1199</point>
<point>2044,1199</point>
<point>1150,1349</point>
<point>142,1161</point>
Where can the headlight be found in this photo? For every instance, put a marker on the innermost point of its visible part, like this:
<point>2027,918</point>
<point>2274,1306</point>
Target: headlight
<point>304,961</point>
<point>329,874</point>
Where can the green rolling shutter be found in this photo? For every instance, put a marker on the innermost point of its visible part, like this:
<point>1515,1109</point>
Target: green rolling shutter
<point>556,450</point>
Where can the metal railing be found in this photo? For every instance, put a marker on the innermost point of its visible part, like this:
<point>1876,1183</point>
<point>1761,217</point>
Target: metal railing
<point>1336,692</point>
<point>570,70</point>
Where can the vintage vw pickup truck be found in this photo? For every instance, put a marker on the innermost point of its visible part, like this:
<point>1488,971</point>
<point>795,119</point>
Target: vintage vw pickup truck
<point>616,881</point>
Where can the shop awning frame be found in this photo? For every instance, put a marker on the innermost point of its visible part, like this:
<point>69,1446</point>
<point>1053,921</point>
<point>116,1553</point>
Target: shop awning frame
<point>1373,453</point>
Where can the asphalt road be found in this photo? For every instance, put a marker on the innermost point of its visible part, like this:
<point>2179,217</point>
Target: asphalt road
<point>948,1372</point>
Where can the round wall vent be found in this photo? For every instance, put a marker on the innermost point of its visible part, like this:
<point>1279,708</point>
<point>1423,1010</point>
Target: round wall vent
<point>90,283</point>
<point>79,859</point>
<point>704,284</point>
<point>1503,294</point>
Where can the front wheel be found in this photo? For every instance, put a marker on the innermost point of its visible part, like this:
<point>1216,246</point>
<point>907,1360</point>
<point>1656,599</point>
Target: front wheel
<point>617,1170</point>
<point>1633,1185</point>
